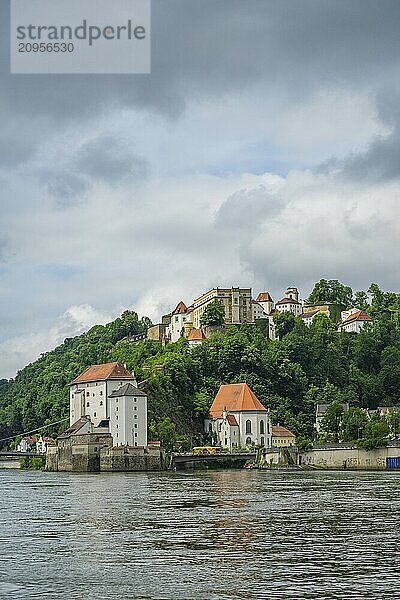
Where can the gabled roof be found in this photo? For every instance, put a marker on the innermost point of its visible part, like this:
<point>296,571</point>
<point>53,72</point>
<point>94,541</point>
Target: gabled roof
<point>126,390</point>
<point>232,420</point>
<point>279,431</point>
<point>360,315</point>
<point>264,297</point>
<point>180,308</point>
<point>103,372</point>
<point>235,397</point>
<point>287,301</point>
<point>75,427</point>
<point>196,335</point>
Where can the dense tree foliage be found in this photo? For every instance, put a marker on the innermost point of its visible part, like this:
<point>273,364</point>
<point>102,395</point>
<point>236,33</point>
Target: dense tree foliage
<point>291,375</point>
<point>214,314</point>
<point>331,291</point>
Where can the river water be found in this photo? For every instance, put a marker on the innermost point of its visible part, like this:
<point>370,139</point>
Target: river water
<point>203,535</point>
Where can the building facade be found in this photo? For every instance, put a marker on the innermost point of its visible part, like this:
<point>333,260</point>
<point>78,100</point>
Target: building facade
<point>282,437</point>
<point>128,416</point>
<point>238,419</point>
<point>236,302</point>
<point>106,396</point>
<point>90,391</point>
<point>354,321</point>
<point>181,317</point>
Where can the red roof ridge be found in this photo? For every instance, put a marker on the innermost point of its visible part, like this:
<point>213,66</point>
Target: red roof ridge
<point>112,370</point>
<point>360,315</point>
<point>264,297</point>
<point>196,334</point>
<point>235,397</point>
<point>180,308</point>
<point>287,301</point>
<point>281,431</point>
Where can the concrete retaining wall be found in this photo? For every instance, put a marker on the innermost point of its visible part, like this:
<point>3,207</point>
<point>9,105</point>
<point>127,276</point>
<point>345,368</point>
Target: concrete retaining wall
<point>348,457</point>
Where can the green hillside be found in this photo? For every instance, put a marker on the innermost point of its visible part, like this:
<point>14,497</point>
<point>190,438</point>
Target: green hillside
<point>290,375</point>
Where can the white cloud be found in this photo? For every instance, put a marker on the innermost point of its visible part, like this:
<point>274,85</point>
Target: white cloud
<point>21,350</point>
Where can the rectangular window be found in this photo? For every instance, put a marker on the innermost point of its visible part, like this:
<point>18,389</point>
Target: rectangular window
<point>135,425</point>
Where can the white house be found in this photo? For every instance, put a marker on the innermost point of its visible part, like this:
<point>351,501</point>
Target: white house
<point>107,396</point>
<point>88,394</point>
<point>180,316</point>
<point>258,311</point>
<point>265,301</point>
<point>237,418</point>
<point>288,304</point>
<point>354,320</point>
<point>128,416</point>
<point>307,317</point>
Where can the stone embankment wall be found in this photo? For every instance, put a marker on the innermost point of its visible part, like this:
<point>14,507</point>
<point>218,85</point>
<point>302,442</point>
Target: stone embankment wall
<point>92,453</point>
<point>347,457</point>
<point>128,458</point>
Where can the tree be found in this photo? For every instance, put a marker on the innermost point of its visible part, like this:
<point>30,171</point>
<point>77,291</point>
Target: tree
<point>214,314</point>
<point>354,422</point>
<point>165,431</point>
<point>376,434</point>
<point>360,301</point>
<point>201,403</point>
<point>332,419</point>
<point>393,420</point>
<point>284,323</point>
<point>331,291</point>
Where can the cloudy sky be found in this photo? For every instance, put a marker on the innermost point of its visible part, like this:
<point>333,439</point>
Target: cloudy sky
<point>263,150</point>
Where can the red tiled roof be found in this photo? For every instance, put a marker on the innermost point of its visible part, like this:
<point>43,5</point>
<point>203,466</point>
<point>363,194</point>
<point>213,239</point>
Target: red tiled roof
<point>232,420</point>
<point>103,372</point>
<point>287,301</point>
<point>235,397</point>
<point>264,297</point>
<point>196,334</point>
<point>360,315</point>
<point>279,431</point>
<point>180,309</point>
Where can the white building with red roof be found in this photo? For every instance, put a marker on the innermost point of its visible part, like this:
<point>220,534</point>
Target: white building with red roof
<point>237,418</point>
<point>107,397</point>
<point>181,316</point>
<point>265,301</point>
<point>354,320</point>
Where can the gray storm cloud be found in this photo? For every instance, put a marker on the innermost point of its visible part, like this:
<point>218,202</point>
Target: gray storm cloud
<point>150,188</point>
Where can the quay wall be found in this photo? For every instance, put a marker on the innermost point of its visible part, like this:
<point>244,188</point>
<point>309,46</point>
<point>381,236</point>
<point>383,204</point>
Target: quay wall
<point>348,457</point>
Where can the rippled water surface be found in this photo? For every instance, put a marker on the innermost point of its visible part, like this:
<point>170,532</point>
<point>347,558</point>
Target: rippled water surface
<point>204,535</point>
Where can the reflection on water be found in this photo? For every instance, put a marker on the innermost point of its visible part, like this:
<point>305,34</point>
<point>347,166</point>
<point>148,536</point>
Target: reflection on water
<point>206,535</point>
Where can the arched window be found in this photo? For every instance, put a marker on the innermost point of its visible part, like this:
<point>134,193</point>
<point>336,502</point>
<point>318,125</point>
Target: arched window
<point>248,441</point>
<point>262,427</point>
<point>248,426</point>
